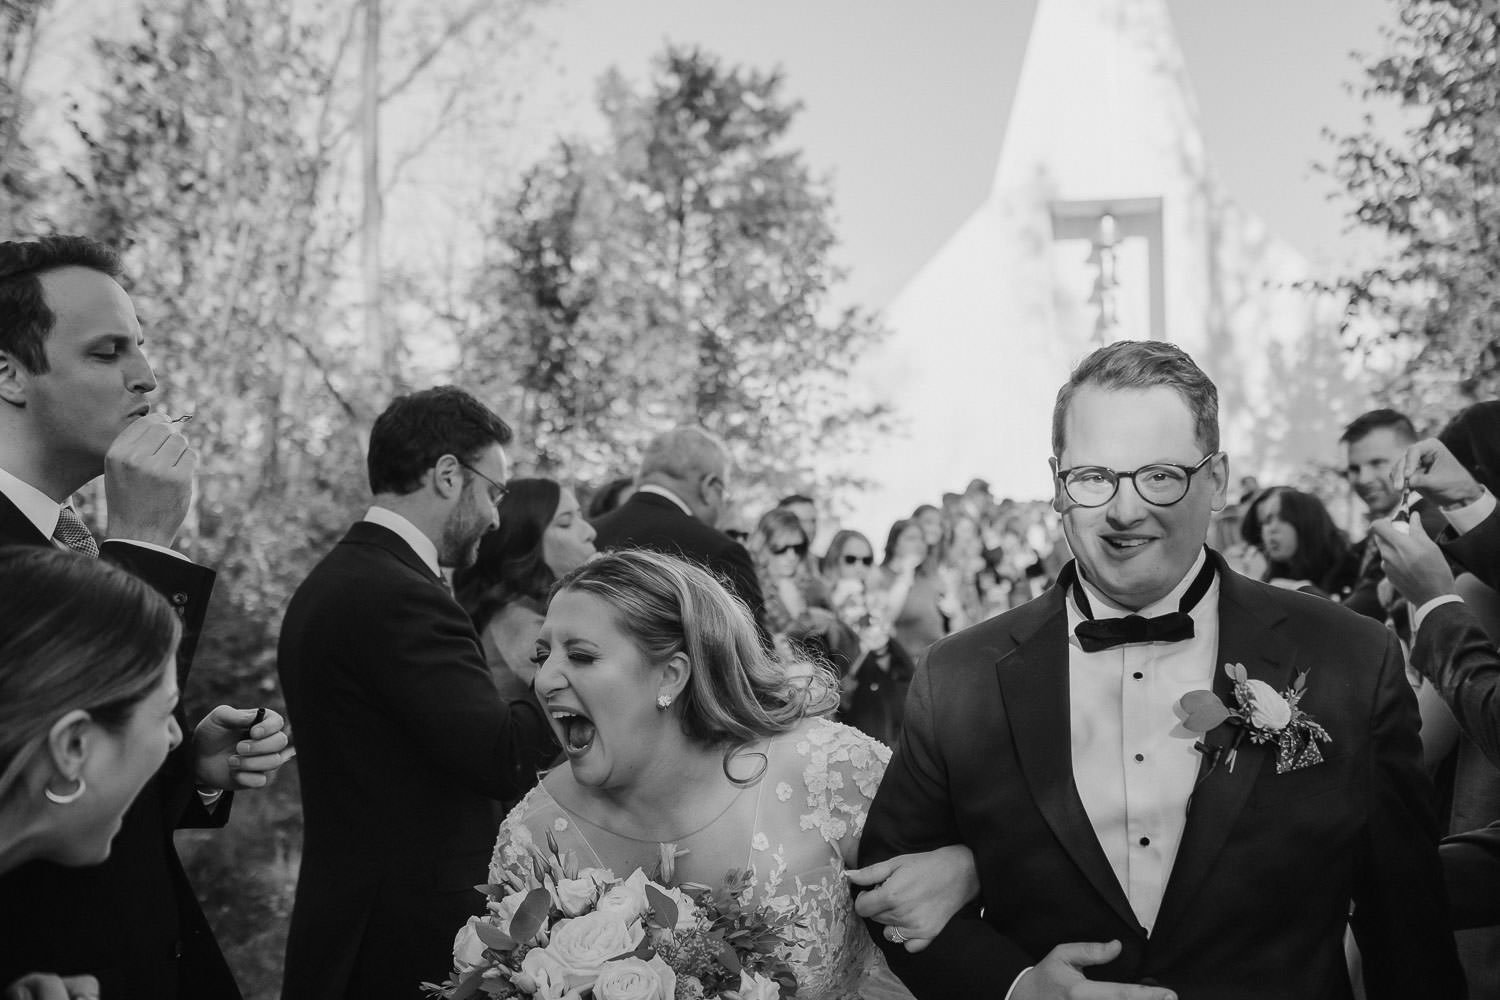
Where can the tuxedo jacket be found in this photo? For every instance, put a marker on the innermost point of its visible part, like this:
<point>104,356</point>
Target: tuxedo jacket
<point>404,745</point>
<point>133,921</point>
<point>1259,893</point>
<point>649,521</point>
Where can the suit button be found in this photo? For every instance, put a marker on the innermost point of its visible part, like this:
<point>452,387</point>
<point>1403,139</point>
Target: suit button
<point>179,598</point>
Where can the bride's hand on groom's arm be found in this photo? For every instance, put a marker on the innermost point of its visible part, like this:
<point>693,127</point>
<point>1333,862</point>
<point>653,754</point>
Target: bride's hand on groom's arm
<point>917,893</point>
<point>1060,976</point>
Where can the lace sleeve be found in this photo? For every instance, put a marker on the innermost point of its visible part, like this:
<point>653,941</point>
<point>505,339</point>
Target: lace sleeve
<point>525,826</point>
<point>841,769</point>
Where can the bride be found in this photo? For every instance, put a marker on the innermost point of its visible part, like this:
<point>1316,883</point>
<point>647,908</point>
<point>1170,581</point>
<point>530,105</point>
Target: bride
<point>679,728</point>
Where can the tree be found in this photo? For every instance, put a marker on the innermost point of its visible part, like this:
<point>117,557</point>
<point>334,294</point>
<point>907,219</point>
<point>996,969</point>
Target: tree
<point>1435,196</point>
<point>679,270</point>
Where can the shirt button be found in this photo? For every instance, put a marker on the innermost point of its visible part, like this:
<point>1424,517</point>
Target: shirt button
<point>1145,841</point>
<point>1140,757</point>
<point>1138,675</point>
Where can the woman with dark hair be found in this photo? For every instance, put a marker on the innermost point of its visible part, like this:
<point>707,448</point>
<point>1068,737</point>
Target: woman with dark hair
<point>88,681</point>
<point>542,536</point>
<point>681,729</point>
<point>1303,548</point>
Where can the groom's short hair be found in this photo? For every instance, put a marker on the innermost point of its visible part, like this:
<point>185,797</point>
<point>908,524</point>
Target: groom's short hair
<point>26,319</point>
<point>1144,364</point>
<point>421,427</point>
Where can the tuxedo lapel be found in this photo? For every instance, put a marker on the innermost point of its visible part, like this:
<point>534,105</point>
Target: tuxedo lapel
<point>1033,680</point>
<point>1248,636</point>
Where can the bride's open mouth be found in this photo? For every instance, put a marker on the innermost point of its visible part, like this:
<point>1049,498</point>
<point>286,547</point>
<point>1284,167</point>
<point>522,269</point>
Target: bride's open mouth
<point>578,730</point>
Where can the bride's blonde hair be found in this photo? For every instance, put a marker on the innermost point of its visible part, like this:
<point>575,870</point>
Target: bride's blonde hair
<point>737,692</point>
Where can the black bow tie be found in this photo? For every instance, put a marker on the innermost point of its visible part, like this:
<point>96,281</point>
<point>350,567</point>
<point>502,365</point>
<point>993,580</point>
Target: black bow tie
<point>1096,634</point>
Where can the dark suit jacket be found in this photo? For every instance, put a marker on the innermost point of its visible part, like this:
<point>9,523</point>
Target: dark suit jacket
<point>1259,893</point>
<point>648,521</point>
<point>132,921</point>
<point>1462,661</point>
<point>403,743</point>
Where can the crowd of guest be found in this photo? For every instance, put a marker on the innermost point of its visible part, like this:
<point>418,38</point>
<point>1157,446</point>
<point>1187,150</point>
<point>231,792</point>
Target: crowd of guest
<point>408,656</point>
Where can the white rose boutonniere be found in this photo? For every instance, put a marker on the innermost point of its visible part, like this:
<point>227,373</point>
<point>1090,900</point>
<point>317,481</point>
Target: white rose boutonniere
<point>1268,710</point>
<point>1264,714</point>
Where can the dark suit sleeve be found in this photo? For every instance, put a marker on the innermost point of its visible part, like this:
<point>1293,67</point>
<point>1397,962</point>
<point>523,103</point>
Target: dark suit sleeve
<point>1458,657</point>
<point>1400,909</point>
<point>1471,871</point>
<point>913,811</point>
<point>736,565</point>
<point>427,669</point>
<point>185,584</point>
<point>1478,550</point>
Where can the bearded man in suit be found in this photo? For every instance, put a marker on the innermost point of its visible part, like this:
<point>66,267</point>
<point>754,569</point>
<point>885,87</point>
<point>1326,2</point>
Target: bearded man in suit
<point>1119,854</point>
<point>405,742</point>
<point>73,385</point>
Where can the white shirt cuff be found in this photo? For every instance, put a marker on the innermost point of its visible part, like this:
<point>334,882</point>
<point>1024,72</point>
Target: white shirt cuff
<point>152,546</point>
<point>1420,614</point>
<point>1468,517</point>
<point>209,799</point>
<point>1016,980</point>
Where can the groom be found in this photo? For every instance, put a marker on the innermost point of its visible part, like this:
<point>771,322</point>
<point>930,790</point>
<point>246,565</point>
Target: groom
<point>1110,846</point>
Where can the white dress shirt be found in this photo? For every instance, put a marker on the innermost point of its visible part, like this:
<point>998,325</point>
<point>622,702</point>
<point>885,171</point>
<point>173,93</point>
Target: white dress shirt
<point>662,491</point>
<point>423,546</point>
<point>1133,762</point>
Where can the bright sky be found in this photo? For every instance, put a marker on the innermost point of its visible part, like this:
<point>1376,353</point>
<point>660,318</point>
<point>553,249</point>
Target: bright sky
<point>906,101</point>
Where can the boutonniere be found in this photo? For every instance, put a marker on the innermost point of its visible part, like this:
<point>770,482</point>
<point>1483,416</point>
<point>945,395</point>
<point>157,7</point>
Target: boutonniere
<point>1264,715</point>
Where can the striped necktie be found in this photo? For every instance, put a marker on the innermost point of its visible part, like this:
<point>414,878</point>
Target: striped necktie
<point>72,533</point>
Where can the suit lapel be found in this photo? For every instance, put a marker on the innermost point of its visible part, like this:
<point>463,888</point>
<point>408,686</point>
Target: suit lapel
<point>1033,680</point>
<point>1246,636</point>
<point>381,537</point>
<point>16,528</point>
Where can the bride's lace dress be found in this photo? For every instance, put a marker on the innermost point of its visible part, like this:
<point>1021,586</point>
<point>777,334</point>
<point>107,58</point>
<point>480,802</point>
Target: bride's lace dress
<point>796,829</point>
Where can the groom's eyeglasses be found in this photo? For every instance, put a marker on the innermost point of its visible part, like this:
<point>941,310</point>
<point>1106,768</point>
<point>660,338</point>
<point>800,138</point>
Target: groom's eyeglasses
<point>499,490</point>
<point>800,548</point>
<point>1160,485</point>
<point>850,560</point>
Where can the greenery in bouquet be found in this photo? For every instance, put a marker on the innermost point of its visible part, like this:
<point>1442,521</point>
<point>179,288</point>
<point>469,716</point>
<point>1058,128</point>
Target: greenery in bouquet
<point>555,931</point>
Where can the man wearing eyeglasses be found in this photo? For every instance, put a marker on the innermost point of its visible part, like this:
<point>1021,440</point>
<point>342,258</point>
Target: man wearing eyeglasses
<point>406,745</point>
<point>1121,853</point>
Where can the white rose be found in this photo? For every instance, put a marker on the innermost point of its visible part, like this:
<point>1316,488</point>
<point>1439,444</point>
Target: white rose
<point>628,899</point>
<point>687,910</point>
<point>579,948</point>
<point>633,979</point>
<point>468,950</point>
<point>758,987</point>
<point>576,896</point>
<point>1268,710</point>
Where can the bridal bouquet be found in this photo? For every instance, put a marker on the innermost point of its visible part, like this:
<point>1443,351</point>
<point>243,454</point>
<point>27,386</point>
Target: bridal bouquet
<point>558,932</point>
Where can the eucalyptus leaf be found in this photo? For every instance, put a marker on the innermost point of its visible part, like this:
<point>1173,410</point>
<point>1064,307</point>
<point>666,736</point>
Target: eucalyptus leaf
<point>530,915</point>
<point>663,909</point>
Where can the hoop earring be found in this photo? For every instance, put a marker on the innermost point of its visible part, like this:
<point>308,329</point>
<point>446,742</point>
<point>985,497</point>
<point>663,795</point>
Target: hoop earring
<point>663,701</point>
<point>70,797</point>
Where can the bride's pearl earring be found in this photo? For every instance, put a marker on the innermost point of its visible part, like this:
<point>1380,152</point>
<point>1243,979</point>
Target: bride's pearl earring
<point>663,701</point>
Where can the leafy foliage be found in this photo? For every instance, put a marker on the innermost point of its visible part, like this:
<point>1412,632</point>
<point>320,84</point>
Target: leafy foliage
<point>678,271</point>
<point>1433,195</point>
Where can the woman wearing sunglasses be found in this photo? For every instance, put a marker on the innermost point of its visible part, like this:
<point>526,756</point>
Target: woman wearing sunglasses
<point>874,688</point>
<point>798,613</point>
